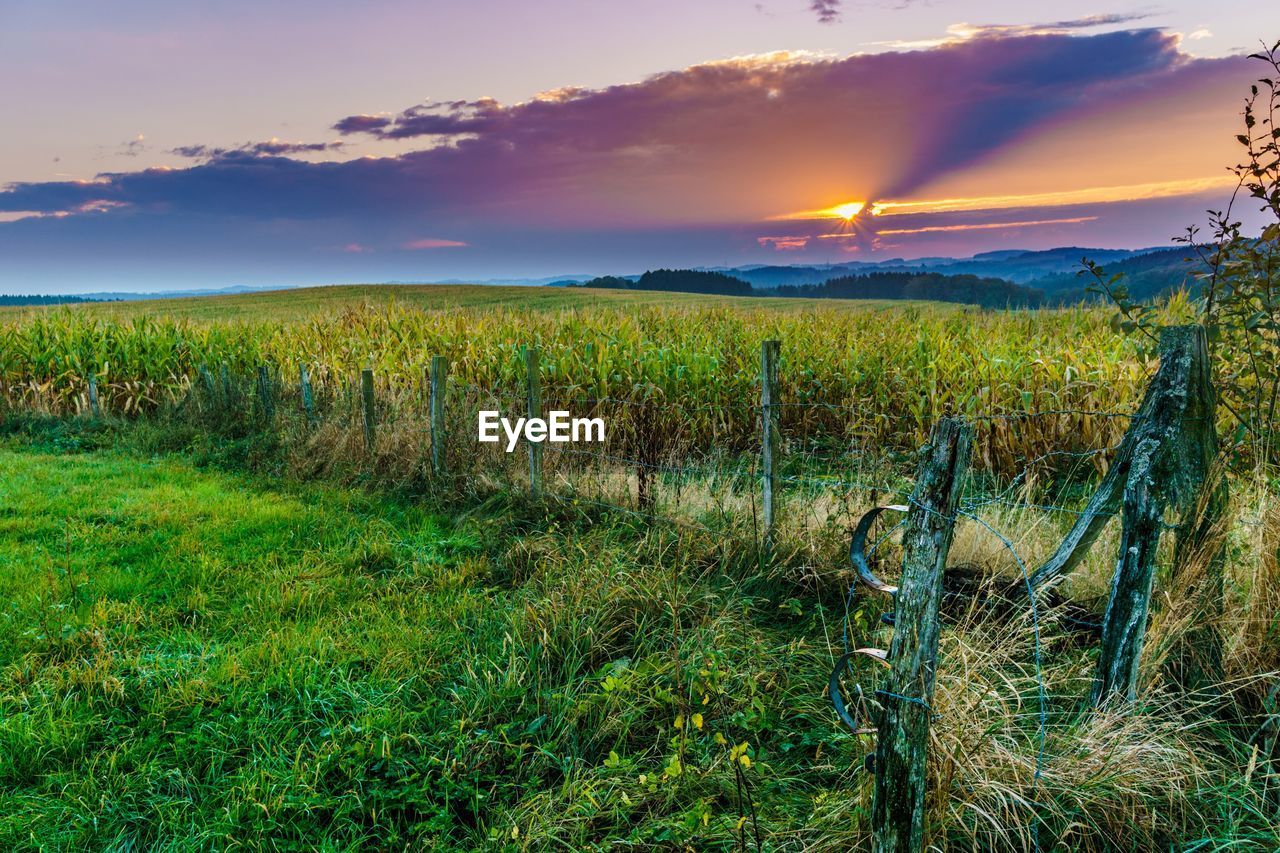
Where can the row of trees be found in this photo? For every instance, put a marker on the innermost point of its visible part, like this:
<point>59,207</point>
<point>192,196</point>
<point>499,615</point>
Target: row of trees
<point>970,289</point>
<point>19,299</point>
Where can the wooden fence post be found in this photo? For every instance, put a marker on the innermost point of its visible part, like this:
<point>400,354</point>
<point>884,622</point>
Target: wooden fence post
<point>266,395</point>
<point>308,396</point>
<point>768,436</point>
<point>534,394</point>
<point>1196,660</point>
<point>228,391</point>
<point>366,393</point>
<point>897,812</point>
<point>1178,412</point>
<point>439,375</point>
<point>94,409</point>
<point>1124,626</point>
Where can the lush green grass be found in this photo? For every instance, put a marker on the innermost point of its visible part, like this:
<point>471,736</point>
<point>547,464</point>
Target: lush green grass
<point>190,658</point>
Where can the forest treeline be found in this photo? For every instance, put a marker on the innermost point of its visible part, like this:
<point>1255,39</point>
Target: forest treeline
<point>939,287</point>
<point>36,299</point>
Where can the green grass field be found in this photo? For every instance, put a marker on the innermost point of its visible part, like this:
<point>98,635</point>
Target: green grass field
<point>194,658</point>
<point>302,302</point>
<point>218,636</point>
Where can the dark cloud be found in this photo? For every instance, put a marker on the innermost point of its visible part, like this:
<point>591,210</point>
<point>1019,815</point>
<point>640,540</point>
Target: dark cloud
<point>362,124</point>
<point>270,148</point>
<point>133,147</point>
<point>828,11</point>
<point>437,118</point>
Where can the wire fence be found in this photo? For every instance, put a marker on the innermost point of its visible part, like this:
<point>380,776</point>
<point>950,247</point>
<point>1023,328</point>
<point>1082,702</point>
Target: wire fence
<point>680,461</point>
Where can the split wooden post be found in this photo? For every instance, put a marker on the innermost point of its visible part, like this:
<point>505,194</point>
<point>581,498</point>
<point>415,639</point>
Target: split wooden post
<point>308,396</point>
<point>897,812</point>
<point>534,399</point>
<point>1178,411</point>
<point>94,409</point>
<point>1124,626</point>
<point>366,394</point>
<point>266,395</point>
<point>1196,660</point>
<point>438,378</point>
<point>1173,465</point>
<point>768,436</point>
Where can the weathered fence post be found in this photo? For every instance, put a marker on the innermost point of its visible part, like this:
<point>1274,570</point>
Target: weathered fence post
<point>1124,626</point>
<point>308,396</point>
<point>1173,466</point>
<point>897,816</point>
<point>768,436</point>
<point>1178,411</point>
<point>534,394</point>
<point>228,391</point>
<point>266,395</point>
<point>1196,661</point>
<point>439,375</point>
<point>94,409</point>
<point>366,394</point>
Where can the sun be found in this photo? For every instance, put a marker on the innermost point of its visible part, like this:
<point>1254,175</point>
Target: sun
<point>847,211</point>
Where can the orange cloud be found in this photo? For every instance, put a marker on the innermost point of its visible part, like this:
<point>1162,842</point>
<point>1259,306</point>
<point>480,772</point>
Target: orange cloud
<point>432,243</point>
<point>987,226</point>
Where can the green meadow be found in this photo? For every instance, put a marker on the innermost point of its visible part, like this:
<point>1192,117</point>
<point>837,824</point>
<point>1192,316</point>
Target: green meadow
<point>220,636</point>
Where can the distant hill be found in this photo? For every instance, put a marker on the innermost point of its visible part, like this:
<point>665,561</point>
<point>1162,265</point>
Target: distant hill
<point>1015,265</point>
<point>1147,276</point>
<point>782,276</point>
<point>1052,271</point>
<point>679,281</point>
<point>128,296</point>
<point>1025,267</point>
<point>940,287</point>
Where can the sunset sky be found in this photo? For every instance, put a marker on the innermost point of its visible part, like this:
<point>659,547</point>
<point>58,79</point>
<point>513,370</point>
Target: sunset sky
<point>154,145</point>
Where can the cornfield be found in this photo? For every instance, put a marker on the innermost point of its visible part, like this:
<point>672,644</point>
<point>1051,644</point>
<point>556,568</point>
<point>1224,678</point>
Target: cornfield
<point>848,376</point>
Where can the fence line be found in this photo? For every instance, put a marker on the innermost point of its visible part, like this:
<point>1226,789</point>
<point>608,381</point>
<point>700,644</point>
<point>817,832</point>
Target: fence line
<point>793,467</point>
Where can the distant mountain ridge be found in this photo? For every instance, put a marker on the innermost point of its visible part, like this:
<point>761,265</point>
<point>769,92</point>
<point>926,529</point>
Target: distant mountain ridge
<point>1008,278</point>
<point>1016,265</point>
<point>1053,272</point>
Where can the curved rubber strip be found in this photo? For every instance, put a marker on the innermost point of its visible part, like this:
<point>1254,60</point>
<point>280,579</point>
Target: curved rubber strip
<point>858,549</point>
<point>837,697</point>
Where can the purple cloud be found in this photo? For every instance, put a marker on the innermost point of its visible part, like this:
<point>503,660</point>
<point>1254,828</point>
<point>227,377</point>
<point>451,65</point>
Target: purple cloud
<point>270,148</point>
<point>717,144</point>
<point>362,124</point>
<point>828,11</point>
<point>437,118</point>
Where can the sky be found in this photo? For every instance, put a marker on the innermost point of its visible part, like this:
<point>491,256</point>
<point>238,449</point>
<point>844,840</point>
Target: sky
<point>155,146</point>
